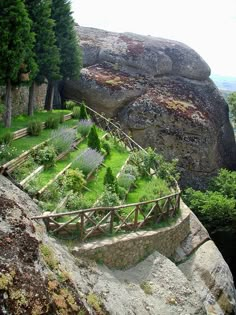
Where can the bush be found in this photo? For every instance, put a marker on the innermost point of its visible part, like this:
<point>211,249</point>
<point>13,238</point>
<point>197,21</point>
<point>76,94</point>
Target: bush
<point>34,128</point>
<point>52,122</point>
<point>225,183</point>
<point>110,181</point>
<point>70,104</point>
<point>84,127</point>
<point>106,147</point>
<point>62,139</point>
<point>61,118</point>
<point>7,153</point>
<point>122,192</point>
<point>109,199</point>
<point>7,138</point>
<point>76,112</point>
<point>83,111</point>
<point>126,180</point>
<point>87,161</point>
<point>93,139</point>
<point>77,202</point>
<point>131,169</point>
<point>45,156</point>
<point>74,180</point>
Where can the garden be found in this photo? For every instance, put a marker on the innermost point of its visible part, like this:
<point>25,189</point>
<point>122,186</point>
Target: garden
<point>66,163</point>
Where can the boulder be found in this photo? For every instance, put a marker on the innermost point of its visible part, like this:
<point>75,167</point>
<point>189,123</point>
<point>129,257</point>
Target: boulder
<point>162,95</point>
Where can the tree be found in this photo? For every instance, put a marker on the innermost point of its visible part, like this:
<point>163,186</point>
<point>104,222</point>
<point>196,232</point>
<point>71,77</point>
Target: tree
<point>16,55</point>
<point>45,49</point>
<point>83,111</point>
<point>67,42</point>
<point>232,104</point>
<point>93,139</point>
<point>110,181</point>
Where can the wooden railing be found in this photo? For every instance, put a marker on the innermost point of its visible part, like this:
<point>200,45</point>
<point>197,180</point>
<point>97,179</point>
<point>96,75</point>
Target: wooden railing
<point>111,220</point>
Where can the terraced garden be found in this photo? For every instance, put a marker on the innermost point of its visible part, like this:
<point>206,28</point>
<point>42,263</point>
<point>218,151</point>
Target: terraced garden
<point>91,179</point>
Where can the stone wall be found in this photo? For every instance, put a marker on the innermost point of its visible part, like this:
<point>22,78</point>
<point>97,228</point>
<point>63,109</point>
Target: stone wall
<point>127,250</point>
<point>20,98</point>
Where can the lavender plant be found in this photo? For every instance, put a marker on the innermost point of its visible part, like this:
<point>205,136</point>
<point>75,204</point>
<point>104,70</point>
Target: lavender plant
<point>84,126</point>
<point>62,139</point>
<point>87,161</point>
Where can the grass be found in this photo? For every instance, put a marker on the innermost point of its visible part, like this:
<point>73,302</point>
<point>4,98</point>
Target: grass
<point>22,121</point>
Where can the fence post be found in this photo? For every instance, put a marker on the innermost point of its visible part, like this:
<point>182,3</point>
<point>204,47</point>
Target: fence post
<point>155,214</point>
<point>82,225</point>
<point>111,222</point>
<point>47,220</point>
<point>136,216</point>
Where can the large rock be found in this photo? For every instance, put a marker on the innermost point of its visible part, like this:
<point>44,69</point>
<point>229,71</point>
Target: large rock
<point>161,92</point>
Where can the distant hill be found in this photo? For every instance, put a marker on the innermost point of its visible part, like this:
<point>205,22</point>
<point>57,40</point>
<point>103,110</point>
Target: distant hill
<point>224,83</point>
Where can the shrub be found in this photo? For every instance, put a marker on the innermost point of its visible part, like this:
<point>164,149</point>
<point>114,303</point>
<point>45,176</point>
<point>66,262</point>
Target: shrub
<point>25,169</point>
<point>110,181</point>
<point>52,122</point>
<point>74,180</point>
<point>126,180</point>
<point>62,139</point>
<point>34,128</point>
<point>61,118</point>
<point>76,112</point>
<point>122,192</point>
<point>7,153</point>
<point>45,156</point>
<point>77,202</point>
<point>109,199</point>
<point>83,111</point>
<point>87,161</point>
<point>6,138</point>
<point>70,104</point>
<point>84,127</point>
<point>131,169</point>
<point>93,139</point>
<point>106,147</point>
<point>225,183</point>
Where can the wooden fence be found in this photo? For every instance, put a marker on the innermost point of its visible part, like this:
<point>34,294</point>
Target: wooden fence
<point>111,220</point>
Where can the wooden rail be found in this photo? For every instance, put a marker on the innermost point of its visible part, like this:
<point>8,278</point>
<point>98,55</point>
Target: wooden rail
<point>111,220</point>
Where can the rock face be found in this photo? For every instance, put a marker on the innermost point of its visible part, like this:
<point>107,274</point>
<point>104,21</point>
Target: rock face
<point>161,92</point>
<point>38,275</point>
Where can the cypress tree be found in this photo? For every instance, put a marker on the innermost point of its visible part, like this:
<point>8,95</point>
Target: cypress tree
<point>17,41</point>
<point>93,139</point>
<point>83,111</point>
<point>110,181</point>
<point>67,42</point>
<point>46,51</point>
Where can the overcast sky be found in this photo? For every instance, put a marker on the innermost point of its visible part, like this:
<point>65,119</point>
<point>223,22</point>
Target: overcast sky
<point>208,26</point>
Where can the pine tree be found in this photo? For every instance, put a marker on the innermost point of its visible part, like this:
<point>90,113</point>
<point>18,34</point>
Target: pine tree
<point>83,111</point>
<point>67,42</point>
<point>17,41</point>
<point>110,181</point>
<point>93,139</point>
<point>46,51</point>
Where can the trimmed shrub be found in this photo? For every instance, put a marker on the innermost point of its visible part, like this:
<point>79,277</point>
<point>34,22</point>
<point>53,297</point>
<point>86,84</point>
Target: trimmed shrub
<point>76,112</point>
<point>62,139</point>
<point>34,128</point>
<point>74,180</point>
<point>126,180</point>
<point>84,127</point>
<point>45,156</point>
<point>87,161</point>
<point>110,181</point>
<point>93,139</point>
<point>70,104</point>
<point>7,138</point>
<point>52,122</point>
<point>83,111</point>
<point>109,199</point>
<point>106,147</point>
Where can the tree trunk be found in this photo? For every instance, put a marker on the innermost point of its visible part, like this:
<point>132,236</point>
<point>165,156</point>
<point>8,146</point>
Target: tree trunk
<point>31,99</point>
<point>49,96</point>
<point>8,103</point>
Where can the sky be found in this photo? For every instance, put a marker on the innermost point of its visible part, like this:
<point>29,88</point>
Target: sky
<point>207,26</point>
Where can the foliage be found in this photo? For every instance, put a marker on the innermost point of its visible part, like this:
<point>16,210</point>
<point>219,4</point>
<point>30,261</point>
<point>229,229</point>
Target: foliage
<point>232,104</point>
<point>25,169</point>
<point>48,256</point>
<point>70,104</point>
<point>146,287</point>
<point>109,199</point>
<point>122,192</point>
<point>74,180</point>
<point>83,111</point>
<point>76,112</point>
<point>52,122</point>
<point>106,147</point>
<point>76,201</point>
<point>7,153</point>
<point>62,139</point>
<point>110,181</point>
<point>61,118</point>
<point>84,126</point>
<point>131,169</point>
<point>94,301</point>
<point>225,183</point>
<point>126,180</point>
<point>45,156</point>
<point>93,139</point>
<point>54,193</point>
<point>34,128</point>
<point>215,210</point>
<point>6,138</point>
<point>87,161</point>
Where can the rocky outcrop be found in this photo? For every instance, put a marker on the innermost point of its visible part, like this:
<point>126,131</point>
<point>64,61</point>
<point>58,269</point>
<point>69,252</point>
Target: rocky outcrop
<point>161,92</point>
<point>38,275</point>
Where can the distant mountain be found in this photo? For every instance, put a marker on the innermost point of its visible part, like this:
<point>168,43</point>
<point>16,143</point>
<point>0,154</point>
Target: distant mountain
<point>225,83</point>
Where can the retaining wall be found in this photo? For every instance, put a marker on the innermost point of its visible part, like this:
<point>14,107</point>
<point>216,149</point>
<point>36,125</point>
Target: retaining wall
<point>126,250</point>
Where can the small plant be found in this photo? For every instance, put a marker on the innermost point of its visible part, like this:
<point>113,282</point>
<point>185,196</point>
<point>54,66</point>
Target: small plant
<point>62,139</point>
<point>34,128</point>
<point>45,156</point>
<point>83,111</point>
<point>6,138</point>
<point>93,139</point>
<point>26,168</point>
<point>87,161</point>
<point>76,112</point>
<point>76,202</point>
<point>52,122</point>
<point>94,301</point>
<point>146,287</point>
<point>106,147</point>
<point>122,192</point>
<point>109,199</point>
<point>132,170</point>
<point>49,256</point>
<point>7,153</point>
<point>110,180</point>
<point>70,104</point>
<point>61,118</point>
<point>74,180</point>
<point>84,127</point>
<point>126,180</point>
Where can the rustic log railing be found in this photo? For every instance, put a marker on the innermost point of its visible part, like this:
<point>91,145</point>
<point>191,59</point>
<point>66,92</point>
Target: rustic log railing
<point>111,220</point>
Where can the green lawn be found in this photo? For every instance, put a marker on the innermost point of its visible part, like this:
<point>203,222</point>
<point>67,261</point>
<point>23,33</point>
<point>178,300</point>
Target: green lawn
<point>22,121</point>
